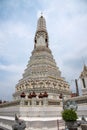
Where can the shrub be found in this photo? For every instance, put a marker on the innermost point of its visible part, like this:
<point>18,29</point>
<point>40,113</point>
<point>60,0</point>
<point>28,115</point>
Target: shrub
<point>69,115</point>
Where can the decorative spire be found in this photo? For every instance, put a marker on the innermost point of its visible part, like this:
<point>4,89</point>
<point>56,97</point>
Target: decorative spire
<point>85,67</point>
<point>41,36</point>
<point>41,24</point>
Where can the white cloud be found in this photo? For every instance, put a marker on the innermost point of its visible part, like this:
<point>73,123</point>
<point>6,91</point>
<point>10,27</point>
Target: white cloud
<point>11,68</point>
<point>67,29</point>
<point>13,36</point>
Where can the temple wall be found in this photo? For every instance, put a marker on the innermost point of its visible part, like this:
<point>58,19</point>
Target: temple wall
<point>44,111</point>
<point>9,111</point>
<point>82,110</point>
<point>31,111</point>
<point>45,125</point>
<point>39,111</point>
<point>6,123</point>
<point>52,124</point>
<point>37,117</point>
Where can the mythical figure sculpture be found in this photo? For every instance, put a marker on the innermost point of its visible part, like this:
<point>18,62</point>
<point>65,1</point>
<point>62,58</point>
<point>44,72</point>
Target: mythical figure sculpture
<point>19,124</point>
<point>70,105</point>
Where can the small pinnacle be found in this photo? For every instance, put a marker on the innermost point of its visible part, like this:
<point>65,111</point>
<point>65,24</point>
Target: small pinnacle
<point>41,13</point>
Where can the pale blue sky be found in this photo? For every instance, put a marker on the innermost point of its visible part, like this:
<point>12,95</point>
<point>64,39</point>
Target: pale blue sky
<point>67,28</point>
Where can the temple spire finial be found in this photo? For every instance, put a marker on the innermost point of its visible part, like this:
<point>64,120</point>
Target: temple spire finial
<point>41,13</point>
<point>41,24</point>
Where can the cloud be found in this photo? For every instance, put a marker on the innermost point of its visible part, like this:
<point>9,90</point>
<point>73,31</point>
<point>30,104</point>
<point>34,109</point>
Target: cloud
<point>13,36</point>
<point>11,68</point>
<point>67,29</point>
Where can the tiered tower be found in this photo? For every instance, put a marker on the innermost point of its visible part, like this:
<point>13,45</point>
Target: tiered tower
<point>42,74</point>
<point>83,77</point>
<point>36,98</point>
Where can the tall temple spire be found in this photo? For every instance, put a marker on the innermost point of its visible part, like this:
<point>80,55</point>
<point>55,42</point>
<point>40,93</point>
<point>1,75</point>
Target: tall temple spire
<point>42,73</point>
<point>41,36</point>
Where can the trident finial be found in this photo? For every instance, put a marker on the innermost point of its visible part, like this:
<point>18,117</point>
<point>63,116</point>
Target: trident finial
<point>41,13</point>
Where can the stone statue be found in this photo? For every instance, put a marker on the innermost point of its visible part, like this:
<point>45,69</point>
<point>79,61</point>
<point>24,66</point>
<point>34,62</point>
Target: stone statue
<point>83,123</point>
<point>19,124</point>
<point>70,105</point>
<point>84,119</point>
<point>16,118</point>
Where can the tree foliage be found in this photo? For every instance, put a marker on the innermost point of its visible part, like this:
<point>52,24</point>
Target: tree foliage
<point>69,115</point>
